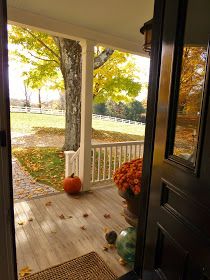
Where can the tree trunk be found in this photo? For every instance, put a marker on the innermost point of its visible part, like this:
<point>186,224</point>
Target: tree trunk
<point>27,102</point>
<point>70,53</point>
<point>40,101</point>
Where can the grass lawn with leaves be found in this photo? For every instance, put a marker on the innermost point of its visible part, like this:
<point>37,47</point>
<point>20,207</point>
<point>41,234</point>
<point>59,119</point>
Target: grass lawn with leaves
<point>46,165</point>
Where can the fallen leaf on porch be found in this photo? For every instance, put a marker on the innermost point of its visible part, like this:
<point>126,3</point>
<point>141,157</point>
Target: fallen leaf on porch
<point>106,230</point>
<point>124,202</point>
<point>107,216</point>
<point>49,203</point>
<point>62,217</point>
<point>53,231</point>
<point>20,223</point>
<point>83,227</point>
<point>30,219</point>
<point>69,217</point>
<point>105,248</point>
<point>122,262</point>
<point>25,271</point>
<point>20,192</point>
<point>75,196</point>
<point>122,214</point>
<point>90,191</point>
<point>85,215</point>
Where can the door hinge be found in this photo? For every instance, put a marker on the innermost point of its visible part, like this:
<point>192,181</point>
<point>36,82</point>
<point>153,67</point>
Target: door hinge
<point>3,141</point>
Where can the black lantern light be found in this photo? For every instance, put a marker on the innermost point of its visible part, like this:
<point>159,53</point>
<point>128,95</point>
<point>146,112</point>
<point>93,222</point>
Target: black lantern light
<point>146,30</point>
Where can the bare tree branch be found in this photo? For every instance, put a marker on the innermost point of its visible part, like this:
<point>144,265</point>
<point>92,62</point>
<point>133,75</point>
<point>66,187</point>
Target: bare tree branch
<point>45,59</point>
<point>41,42</point>
<point>102,58</point>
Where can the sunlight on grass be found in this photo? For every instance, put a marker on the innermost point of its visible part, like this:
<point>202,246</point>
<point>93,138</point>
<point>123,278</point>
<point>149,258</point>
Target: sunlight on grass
<point>27,123</point>
<point>118,127</point>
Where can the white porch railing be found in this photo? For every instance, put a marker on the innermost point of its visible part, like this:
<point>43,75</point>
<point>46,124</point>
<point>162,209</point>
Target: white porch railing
<point>105,159</point>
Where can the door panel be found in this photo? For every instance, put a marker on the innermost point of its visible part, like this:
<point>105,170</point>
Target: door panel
<point>178,231</point>
<point>7,233</point>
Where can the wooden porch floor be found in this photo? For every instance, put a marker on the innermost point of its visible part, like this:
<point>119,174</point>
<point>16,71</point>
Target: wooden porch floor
<point>49,239</point>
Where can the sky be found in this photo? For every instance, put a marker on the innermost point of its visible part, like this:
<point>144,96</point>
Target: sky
<point>17,86</point>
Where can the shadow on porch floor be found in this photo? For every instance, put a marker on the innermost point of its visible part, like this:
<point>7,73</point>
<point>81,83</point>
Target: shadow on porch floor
<point>51,230</point>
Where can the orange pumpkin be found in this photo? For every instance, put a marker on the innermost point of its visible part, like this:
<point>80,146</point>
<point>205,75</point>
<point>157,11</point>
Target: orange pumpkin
<point>72,184</point>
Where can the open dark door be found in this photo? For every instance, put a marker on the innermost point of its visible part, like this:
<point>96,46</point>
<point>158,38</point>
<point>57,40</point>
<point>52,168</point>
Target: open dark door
<point>7,233</point>
<point>178,229</point>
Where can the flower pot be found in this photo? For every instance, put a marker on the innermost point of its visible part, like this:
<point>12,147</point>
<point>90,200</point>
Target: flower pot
<point>131,209</point>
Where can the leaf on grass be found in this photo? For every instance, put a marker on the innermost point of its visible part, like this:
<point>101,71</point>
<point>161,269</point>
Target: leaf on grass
<point>62,217</point>
<point>85,215</point>
<point>25,271</point>
<point>49,203</point>
<point>107,216</point>
<point>83,227</point>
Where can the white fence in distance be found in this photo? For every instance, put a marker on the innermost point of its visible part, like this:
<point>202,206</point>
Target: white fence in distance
<point>34,110</point>
<point>19,109</point>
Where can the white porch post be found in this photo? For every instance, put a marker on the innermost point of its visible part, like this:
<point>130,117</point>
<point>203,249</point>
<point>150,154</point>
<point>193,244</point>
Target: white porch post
<point>86,113</point>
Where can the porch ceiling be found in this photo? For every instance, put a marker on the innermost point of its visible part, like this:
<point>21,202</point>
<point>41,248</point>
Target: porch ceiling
<point>110,23</point>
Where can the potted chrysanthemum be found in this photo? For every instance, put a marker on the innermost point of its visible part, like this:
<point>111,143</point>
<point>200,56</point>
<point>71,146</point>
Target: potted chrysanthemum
<point>128,180</point>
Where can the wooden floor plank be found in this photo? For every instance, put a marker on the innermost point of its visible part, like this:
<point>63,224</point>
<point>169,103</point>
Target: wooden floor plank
<point>49,240</point>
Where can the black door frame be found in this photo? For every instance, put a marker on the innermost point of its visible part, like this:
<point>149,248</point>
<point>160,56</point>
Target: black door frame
<point>8,269</point>
<point>7,233</point>
<point>150,130</point>
<point>155,63</point>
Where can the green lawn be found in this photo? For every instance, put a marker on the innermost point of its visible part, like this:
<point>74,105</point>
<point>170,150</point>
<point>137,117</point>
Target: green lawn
<point>27,123</point>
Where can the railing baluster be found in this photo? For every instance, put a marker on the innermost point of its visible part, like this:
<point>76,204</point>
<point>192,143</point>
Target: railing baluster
<point>110,162</point>
<point>99,163</point>
<point>140,150</point>
<point>134,151</point>
<point>105,158</point>
<point>120,157</point>
<point>115,158</point>
<point>93,165</point>
<point>130,151</point>
<point>126,150</point>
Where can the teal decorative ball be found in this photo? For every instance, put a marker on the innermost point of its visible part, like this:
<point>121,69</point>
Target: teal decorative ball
<point>126,244</point>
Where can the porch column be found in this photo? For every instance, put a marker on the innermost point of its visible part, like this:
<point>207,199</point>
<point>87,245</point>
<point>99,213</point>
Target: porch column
<point>86,113</point>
